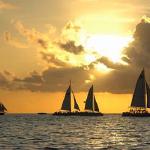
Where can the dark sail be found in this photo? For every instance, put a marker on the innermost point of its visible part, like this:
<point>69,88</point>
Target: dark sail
<point>148,95</point>
<point>76,106</point>
<point>66,105</point>
<point>2,108</point>
<point>138,99</point>
<point>89,100</point>
<point>95,105</point>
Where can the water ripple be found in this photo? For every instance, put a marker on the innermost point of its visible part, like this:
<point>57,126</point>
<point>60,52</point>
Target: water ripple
<point>51,132</point>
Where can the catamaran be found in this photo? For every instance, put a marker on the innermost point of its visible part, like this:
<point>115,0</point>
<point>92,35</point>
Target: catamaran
<point>2,109</point>
<point>66,109</point>
<point>91,106</point>
<point>141,99</point>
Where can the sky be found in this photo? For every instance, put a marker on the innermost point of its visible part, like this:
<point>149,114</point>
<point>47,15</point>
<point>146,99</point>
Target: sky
<point>45,44</point>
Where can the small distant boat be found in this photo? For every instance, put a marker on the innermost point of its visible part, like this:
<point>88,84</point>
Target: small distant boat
<point>141,99</point>
<point>2,109</point>
<point>42,113</point>
<point>91,106</point>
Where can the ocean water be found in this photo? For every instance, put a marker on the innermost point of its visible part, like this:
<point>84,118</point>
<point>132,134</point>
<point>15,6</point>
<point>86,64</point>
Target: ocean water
<point>46,132</point>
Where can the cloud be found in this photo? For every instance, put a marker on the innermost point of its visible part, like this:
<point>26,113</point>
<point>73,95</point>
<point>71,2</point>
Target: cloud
<point>6,81</point>
<point>43,43</point>
<point>110,64</point>
<point>72,26</point>
<point>54,79</point>
<point>6,5</point>
<point>36,78</point>
<point>138,52</point>
<point>137,55</point>
<point>32,35</point>
<point>52,60</point>
<point>3,80</point>
<point>70,46</point>
<point>58,52</point>
<point>121,79</point>
<point>14,41</point>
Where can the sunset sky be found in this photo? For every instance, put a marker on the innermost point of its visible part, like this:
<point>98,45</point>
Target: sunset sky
<point>44,44</point>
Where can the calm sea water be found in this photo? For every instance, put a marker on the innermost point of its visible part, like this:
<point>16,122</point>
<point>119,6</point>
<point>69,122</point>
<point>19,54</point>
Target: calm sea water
<point>51,132</point>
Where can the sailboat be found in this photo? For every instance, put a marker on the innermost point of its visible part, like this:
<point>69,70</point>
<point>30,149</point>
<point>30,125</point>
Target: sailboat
<point>141,98</point>
<point>2,109</point>
<point>91,106</point>
<point>66,109</point>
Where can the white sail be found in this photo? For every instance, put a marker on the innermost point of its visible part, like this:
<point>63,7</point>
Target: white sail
<point>89,100</point>
<point>95,105</point>
<point>138,99</point>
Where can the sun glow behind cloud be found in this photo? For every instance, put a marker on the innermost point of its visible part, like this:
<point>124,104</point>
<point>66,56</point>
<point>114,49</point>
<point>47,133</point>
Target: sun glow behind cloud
<point>94,46</point>
<point>110,46</point>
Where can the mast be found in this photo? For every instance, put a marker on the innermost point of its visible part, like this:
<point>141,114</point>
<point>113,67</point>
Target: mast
<point>138,99</point>
<point>89,103</point>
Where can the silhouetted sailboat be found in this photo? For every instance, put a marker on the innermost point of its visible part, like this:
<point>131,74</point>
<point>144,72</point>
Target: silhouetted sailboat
<point>141,98</point>
<point>91,106</point>
<point>2,109</point>
<point>66,105</point>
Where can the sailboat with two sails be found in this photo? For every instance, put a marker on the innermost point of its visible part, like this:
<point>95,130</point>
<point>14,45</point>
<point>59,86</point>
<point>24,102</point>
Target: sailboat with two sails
<point>141,99</point>
<point>2,109</point>
<point>91,106</point>
<point>66,109</point>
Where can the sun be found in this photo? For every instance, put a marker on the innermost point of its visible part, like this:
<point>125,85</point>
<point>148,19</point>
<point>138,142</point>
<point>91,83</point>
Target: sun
<point>110,46</point>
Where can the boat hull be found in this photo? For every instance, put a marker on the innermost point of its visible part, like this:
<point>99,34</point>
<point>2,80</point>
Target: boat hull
<point>129,114</point>
<point>2,113</point>
<point>42,113</point>
<point>77,114</point>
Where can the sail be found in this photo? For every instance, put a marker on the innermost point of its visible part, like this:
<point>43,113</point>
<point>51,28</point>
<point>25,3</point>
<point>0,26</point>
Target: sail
<point>95,105</point>
<point>2,107</point>
<point>89,100</point>
<point>138,99</point>
<point>148,95</point>
<point>66,105</point>
<point>76,106</point>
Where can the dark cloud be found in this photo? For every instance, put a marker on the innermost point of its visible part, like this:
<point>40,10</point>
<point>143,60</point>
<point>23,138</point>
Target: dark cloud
<point>34,78</point>
<point>55,79</point>
<point>71,25</point>
<point>109,63</point>
<point>43,43</point>
<point>117,81</point>
<point>138,51</point>
<point>70,46</point>
<point>52,60</point>
<point>6,81</point>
